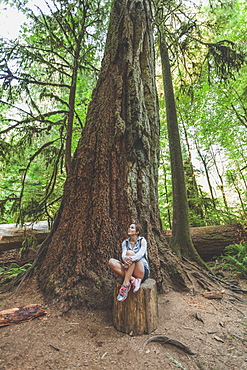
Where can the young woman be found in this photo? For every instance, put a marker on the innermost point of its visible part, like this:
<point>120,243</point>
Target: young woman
<point>135,269</point>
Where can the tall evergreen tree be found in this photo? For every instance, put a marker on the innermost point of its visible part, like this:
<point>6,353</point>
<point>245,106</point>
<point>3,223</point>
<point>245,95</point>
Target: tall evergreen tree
<point>181,241</point>
<point>114,172</point>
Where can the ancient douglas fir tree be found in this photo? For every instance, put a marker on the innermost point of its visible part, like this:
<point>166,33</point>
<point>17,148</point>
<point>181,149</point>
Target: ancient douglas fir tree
<point>114,175</point>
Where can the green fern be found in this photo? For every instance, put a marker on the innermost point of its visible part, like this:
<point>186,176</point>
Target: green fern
<point>236,256</point>
<point>13,270</point>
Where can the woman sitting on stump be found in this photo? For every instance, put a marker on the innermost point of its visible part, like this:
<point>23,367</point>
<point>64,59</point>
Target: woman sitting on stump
<point>134,270</point>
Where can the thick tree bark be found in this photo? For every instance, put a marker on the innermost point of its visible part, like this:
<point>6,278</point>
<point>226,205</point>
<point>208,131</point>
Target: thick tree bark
<point>18,314</point>
<point>113,180</point>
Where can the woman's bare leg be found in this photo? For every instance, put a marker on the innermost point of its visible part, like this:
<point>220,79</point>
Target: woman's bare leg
<point>136,269</point>
<point>128,274</point>
<point>117,267</point>
<point>139,270</point>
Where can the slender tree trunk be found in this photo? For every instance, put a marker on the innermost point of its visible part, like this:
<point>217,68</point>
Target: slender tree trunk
<point>114,175</point>
<point>192,188</point>
<point>181,241</point>
<point>72,95</point>
<point>210,241</point>
<point>169,206</point>
<point>242,118</point>
<point>242,177</point>
<point>221,186</point>
<point>235,183</point>
<point>204,162</point>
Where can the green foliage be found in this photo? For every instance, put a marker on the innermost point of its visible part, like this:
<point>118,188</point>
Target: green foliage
<point>48,75</point>
<point>212,113</point>
<point>226,59</point>
<point>176,363</point>
<point>236,257</point>
<point>14,269</point>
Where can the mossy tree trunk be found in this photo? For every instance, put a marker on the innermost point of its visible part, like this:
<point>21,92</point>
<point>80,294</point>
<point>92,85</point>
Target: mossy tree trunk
<point>113,180</point>
<point>181,242</point>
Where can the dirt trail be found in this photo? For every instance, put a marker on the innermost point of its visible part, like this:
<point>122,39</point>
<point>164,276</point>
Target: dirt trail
<point>215,329</point>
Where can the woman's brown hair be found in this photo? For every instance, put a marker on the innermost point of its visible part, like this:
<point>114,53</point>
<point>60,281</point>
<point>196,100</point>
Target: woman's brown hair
<point>138,228</point>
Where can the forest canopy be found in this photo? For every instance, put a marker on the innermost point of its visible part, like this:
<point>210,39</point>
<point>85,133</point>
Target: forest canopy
<point>47,77</point>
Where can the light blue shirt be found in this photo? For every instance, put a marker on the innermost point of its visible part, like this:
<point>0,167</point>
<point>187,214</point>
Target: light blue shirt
<point>140,250</point>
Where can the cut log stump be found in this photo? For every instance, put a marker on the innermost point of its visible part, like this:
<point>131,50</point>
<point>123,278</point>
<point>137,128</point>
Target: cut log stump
<point>138,314</point>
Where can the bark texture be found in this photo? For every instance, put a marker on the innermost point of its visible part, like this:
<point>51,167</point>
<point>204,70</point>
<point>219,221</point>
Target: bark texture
<point>113,180</point>
<point>18,314</point>
<point>181,241</point>
<point>138,314</point>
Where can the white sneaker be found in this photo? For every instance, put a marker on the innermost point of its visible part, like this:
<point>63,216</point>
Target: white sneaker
<point>123,293</point>
<point>137,285</point>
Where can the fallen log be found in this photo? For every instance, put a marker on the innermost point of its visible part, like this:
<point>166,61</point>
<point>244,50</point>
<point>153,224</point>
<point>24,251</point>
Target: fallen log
<point>210,241</point>
<point>12,236</point>
<point>18,314</point>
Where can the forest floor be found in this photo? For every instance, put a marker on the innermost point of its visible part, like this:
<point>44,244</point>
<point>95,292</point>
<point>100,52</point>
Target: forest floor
<point>215,329</point>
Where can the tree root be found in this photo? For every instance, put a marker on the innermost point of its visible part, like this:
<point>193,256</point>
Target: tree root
<point>216,279</point>
<point>163,339</point>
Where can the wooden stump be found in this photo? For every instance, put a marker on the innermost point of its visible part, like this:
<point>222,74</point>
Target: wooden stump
<point>138,314</point>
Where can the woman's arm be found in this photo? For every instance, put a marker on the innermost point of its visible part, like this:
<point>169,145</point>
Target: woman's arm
<point>141,251</point>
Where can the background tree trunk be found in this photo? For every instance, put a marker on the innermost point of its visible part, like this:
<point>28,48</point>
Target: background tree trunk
<point>206,169</point>
<point>210,241</point>
<point>181,242</point>
<point>114,173</point>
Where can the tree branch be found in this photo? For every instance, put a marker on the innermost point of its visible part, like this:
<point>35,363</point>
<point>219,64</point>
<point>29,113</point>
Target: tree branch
<point>35,82</point>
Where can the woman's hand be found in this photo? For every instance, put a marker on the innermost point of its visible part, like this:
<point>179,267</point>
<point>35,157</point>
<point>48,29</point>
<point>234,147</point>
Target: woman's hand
<point>127,262</point>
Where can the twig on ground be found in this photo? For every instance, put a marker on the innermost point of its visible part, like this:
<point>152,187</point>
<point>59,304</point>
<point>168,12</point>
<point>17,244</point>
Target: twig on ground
<point>56,349</point>
<point>241,338</point>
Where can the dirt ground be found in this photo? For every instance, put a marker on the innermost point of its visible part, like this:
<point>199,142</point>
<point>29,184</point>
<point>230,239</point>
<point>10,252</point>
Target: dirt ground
<point>215,329</point>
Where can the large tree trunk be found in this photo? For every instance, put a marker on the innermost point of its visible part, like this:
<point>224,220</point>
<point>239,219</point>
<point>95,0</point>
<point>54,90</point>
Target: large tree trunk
<point>114,173</point>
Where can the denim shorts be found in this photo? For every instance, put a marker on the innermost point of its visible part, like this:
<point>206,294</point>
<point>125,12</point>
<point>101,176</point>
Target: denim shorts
<point>146,274</point>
